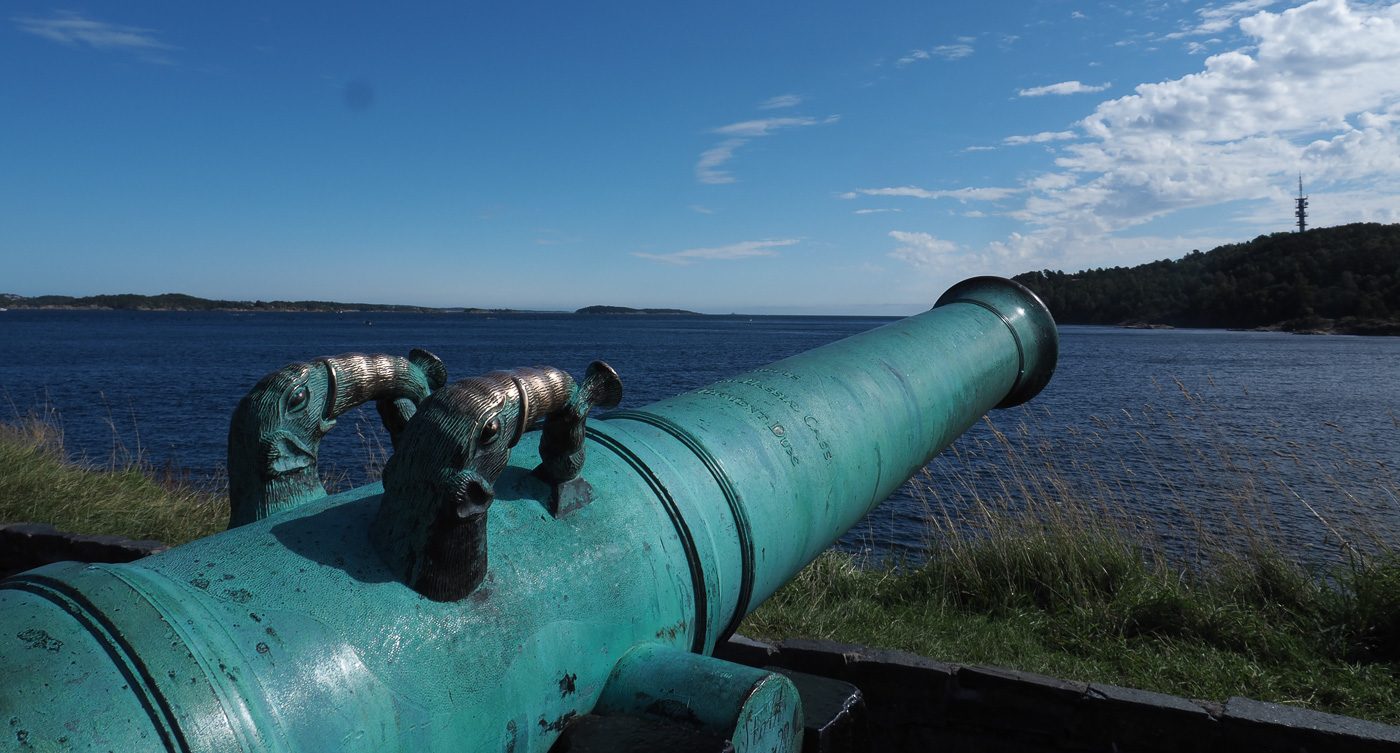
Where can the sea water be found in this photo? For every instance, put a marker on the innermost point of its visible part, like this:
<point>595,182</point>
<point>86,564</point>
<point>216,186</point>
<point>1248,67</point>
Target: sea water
<point>1179,429</point>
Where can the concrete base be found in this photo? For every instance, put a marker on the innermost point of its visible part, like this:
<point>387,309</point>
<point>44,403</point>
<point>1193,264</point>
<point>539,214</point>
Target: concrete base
<point>917,704</point>
<point>25,546</point>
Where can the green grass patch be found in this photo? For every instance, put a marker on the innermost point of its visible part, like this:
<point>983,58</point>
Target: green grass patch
<point>39,484</point>
<point>1257,629</point>
<point>1049,573</point>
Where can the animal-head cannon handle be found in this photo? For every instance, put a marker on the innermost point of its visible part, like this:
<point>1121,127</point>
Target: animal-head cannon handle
<point>430,529</point>
<point>561,439</point>
<point>275,435</point>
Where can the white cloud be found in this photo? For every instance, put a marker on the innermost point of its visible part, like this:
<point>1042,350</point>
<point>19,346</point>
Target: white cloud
<point>1217,18</point>
<point>943,51</point>
<point>1039,138</point>
<point>780,101</point>
<point>921,249</point>
<point>701,209</point>
<point>1050,182</point>
<point>881,210</point>
<point>961,194</point>
<point>1060,248</point>
<point>709,168</point>
<point>1062,88</point>
<point>1074,249</point>
<point>743,250</point>
<point>552,237</point>
<point>1326,208</point>
<point>953,51</point>
<point>762,127</point>
<point>66,27</point>
<point>1311,88</point>
<point>1077,15</point>
<point>914,56</point>
<point>1318,92</point>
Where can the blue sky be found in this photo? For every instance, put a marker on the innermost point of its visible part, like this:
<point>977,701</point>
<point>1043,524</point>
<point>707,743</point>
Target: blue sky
<point>765,158</point>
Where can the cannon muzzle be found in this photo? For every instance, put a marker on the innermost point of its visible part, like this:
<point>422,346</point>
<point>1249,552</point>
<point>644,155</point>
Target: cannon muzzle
<point>521,566</point>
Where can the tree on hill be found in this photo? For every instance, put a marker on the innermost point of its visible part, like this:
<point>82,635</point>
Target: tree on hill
<point>1345,278</point>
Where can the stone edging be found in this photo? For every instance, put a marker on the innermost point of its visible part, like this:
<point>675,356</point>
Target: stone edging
<point>918,704</point>
<point>24,546</point>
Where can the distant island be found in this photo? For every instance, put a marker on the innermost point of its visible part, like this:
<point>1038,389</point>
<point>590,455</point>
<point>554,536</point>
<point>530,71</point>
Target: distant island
<point>182,302</point>
<point>1342,280</point>
<point>625,310</point>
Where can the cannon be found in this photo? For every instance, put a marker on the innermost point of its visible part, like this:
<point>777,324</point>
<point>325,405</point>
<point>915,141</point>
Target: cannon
<point>520,568</point>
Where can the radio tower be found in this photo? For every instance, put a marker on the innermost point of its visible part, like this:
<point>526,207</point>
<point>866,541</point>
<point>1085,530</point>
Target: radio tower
<point>1302,212</point>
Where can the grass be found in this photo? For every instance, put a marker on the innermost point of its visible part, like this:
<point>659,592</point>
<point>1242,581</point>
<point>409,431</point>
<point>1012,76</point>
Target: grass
<point>40,484</point>
<point>1034,568</point>
<point>1261,629</point>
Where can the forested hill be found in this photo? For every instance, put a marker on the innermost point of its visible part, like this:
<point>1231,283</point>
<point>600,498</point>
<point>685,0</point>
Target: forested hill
<point>1337,279</point>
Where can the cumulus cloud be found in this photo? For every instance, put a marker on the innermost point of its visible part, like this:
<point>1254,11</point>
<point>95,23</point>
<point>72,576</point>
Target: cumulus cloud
<point>710,167</point>
<point>1317,92</point>
<point>75,30</point>
<point>1050,182</point>
<point>1311,88</point>
<point>880,210</point>
<point>743,250</point>
<point>1061,89</point>
<point>922,249</point>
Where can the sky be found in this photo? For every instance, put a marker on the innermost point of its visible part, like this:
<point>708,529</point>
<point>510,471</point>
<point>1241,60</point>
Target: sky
<point>852,158</point>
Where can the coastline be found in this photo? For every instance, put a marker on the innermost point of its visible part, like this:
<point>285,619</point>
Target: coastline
<point>1370,328</point>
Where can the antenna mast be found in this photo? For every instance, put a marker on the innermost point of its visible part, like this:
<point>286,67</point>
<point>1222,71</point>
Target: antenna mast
<point>1302,212</point>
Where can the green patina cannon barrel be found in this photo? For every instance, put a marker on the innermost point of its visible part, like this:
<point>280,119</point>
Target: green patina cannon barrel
<point>518,568</point>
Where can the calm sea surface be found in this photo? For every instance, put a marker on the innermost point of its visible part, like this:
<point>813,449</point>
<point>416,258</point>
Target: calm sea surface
<point>1182,429</point>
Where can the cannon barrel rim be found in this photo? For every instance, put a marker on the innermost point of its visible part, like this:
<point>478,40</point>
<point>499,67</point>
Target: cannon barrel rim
<point>1028,319</point>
